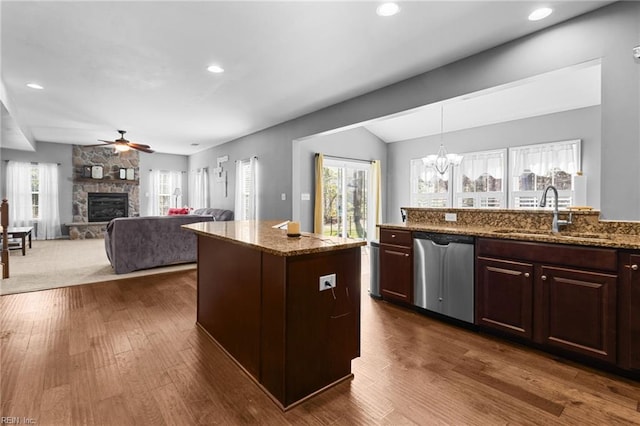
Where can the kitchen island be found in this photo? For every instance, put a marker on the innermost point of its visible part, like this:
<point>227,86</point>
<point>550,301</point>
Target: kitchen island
<point>264,298</point>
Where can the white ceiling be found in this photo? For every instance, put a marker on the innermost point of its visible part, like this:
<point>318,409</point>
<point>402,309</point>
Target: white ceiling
<point>141,66</point>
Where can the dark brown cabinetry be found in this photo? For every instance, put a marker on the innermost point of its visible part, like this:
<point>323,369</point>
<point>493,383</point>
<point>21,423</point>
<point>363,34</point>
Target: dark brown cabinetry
<point>629,311</point>
<point>556,295</point>
<point>396,265</point>
<point>504,296</point>
<point>577,311</point>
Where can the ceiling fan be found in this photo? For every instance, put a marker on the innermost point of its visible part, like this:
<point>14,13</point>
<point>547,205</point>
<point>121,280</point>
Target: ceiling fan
<point>121,144</point>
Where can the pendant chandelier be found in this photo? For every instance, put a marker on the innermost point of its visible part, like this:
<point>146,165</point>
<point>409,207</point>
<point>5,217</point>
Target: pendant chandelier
<point>442,160</point>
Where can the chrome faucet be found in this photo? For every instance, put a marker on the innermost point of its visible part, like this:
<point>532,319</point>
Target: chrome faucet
<point>555,224</point>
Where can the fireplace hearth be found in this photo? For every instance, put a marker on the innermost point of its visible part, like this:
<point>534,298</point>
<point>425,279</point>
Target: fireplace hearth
<point>104,206</point>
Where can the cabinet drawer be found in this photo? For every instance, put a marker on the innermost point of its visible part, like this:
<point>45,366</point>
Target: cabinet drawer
<point>395,237</point>
<point>604,259</point>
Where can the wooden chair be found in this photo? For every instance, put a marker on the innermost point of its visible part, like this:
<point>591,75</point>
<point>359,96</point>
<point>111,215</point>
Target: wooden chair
<point>4,223</point>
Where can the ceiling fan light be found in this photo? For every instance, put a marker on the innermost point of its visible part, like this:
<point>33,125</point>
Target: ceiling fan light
<point>122,147</point>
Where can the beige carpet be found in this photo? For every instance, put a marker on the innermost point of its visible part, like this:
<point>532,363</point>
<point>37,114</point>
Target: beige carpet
<point>62,263</point>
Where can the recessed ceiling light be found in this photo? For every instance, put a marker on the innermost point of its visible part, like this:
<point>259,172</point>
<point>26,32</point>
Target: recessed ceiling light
<point>35,86</point>
<point>217,69</point>
<point>388,9</point>
<point>539,14</point>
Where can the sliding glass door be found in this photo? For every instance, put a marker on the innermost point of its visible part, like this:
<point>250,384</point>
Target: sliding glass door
<point>345,198</point>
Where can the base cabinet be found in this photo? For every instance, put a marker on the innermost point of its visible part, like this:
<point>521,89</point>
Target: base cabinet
<point>629,312</point>
<point>396,265</point>
<point>504,296</point>
<point>577,311</point>
<point>558,296</point>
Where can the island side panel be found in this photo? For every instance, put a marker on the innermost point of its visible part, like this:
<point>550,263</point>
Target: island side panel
<point>322,327</point>
<point>229,298</point>
<point>272,349</point>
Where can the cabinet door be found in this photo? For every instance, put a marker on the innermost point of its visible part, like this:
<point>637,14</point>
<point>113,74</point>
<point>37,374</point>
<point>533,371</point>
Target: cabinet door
<point>577,311</point>
<point>396,273</point>
<point>504,297</point>
<point>629,312</point>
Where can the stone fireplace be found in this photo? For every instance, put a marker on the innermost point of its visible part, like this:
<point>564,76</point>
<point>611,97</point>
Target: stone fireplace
<point>104,206</point>
<point>110,187</point>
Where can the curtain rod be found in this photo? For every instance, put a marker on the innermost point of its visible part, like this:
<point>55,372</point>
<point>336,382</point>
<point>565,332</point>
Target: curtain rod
<point>331,157</point>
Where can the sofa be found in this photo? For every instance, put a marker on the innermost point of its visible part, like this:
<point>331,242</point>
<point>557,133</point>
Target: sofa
<point>134,243</point>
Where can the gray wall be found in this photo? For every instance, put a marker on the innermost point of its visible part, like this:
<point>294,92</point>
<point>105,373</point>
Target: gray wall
<point>581,124</point>
<point>61,153</point>
<point>356,143</point>
<point>608,33</point>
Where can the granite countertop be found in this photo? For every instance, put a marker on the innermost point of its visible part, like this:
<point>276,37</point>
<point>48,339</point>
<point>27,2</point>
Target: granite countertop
<point>590,238</point>
<point>262,236</point>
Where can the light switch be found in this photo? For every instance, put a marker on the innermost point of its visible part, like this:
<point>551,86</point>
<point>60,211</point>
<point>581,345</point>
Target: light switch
<point>305,196</point>
<point>283,196</point>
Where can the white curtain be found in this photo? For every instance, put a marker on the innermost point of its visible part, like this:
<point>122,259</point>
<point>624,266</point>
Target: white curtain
<point>544,158</point>
<point>19,194</point>
<point>49,211</point>
<point>199,188</point>
<point>246,192</point>
<point>476,164</point>
<point>153,205</point>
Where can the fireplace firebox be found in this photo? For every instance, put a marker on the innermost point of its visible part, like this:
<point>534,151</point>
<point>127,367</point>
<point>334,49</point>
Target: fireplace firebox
<point>104,206</point>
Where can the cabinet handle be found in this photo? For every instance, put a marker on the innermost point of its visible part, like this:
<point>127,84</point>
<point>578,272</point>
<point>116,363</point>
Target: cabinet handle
<point>526,275</point>
<point>393,235</point>
<point>543,278</point>
<point>406,255</point>
<point>634,267</point>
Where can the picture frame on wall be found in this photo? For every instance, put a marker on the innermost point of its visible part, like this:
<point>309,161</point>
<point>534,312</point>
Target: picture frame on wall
<point>96,172</point>
<point>86,171</point>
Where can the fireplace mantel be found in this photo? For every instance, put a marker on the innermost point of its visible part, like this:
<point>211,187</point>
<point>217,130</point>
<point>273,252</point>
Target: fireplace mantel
<point>109,181</point>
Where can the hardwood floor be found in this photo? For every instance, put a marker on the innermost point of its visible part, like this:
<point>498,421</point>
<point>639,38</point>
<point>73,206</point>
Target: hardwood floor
<point>128,352</point>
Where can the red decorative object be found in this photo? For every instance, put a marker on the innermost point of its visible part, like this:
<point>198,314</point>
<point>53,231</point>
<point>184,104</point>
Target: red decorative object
<point>180,210</point>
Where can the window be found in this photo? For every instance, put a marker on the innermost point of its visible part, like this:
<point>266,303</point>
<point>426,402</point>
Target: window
<point>480,180</point>
<point>534,167</point>
<point>165,191</point>
<point>35,192</point>
<point>246,203</point>
<point>428,187</point>
<point>345,197</point>
<point>32,189</point>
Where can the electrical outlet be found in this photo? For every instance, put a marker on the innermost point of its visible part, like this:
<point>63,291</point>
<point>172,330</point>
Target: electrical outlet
<point>327,282</point>
<point>283,196</point>
<point>450,217</point>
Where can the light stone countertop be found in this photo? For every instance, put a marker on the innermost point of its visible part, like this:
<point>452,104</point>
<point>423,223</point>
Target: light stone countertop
<point>592,239</point>
<point>262,236</point>
<point>586,228</point>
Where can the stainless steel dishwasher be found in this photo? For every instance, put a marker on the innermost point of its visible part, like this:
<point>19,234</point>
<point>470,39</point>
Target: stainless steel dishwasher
<point>443,274</point>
